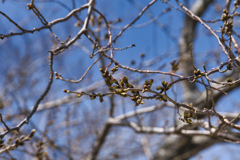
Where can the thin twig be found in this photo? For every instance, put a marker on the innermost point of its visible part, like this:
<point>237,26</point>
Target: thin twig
<point>1,119</point>
<point>83,76</point>
<point>79,34</point>
<point>26,120</point>
<point>207,103</point>
<point>12,22</point>
<point>130,24</point>
<point>191,14</point>
<point>47,26</point>
<point>143,71</point>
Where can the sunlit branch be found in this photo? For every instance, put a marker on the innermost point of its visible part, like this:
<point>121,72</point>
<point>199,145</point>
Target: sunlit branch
<point>79,34</point>
<point>171,130</point>
<point>58,76</point>
<point>191,14</point>
<point>47,26</point>
<point>143,71</point>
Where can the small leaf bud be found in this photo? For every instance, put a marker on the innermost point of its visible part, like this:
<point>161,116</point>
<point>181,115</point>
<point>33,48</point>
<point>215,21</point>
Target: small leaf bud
<point>159,88</point>
<point>17,142</point>
<point>101,70</point>
<point>187,114</point>
<point>101,99</point>
<point>229,80</point>
<point>130,86</point>
<point>189,121</point>
<point>139,101</point>
<point>32,133</point>
<point>124,94</point>
<point>118,91</point>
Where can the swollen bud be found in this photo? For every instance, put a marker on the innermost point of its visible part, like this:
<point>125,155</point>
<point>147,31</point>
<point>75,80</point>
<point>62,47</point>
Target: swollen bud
<point>187,114</point>
<point>189,121</point>
<point>159,88</point>
<point>101,99</point>
<point>32,133</point>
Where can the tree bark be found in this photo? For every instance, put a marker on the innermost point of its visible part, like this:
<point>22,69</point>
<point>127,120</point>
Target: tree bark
<point>177,147</point>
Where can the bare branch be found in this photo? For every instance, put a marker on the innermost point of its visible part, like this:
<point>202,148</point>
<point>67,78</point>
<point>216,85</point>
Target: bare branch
<point>190,13</point>
<point>79,34</point>
<point>130,24</point>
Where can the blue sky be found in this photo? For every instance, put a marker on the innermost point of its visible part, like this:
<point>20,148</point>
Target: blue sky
<point>151,40</point>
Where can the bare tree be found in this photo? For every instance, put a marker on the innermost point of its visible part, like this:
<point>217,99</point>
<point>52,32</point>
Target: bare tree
<point>75,81</point>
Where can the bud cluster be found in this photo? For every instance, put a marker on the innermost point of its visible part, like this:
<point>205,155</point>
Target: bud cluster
<point>174,65</point>
<point>94,95</point>
<point>164,87</point>
<point>17,141</point>
<point>236,3</point>
<point>40,153</point>
<point>57,75</point>
<point>228,23</point>
<point>147,85</point>
<point>115,68</point>
<point>124,88</point>
<point>225,15</point>
<point>187,116</point>
<point>198,74</point>
<point>161,98</point>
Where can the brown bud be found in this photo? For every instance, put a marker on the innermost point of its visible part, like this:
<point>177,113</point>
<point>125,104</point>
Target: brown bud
<point>17,142</point>
<point>32,133</point>
<point>187,114</point>
<point>79,95</point>
<point>189,121</point>
<point>101,99</point>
